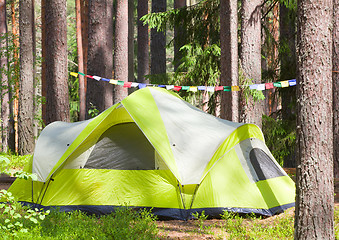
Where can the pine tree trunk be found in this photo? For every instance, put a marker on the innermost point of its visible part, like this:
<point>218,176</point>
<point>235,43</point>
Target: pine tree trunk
<point>57,102</point>
<point>314,182</point>
<point>43,62</point>
<point>100,54</point>
<point>25,116</point>
<point>250,56</point>
<point>143,43</point>
<point>16,76</point>
<point>131,24</point>
<point>82,89</point>
<point>84,32</point>
<point>158,42</point>
<point>121,49</point>
<point>336,88</point>
<point>4,87</point>
<point>229,106</point>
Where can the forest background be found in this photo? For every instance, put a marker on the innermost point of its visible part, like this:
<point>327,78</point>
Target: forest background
<point>186,43</point>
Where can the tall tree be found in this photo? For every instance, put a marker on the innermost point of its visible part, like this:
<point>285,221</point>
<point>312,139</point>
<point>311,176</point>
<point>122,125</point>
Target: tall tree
<point>250,56</point>
<point>57,102</point>
<point>100,54</point>
<point>229,105</point>
<point>120,49</point>
<point>314,182</point>
<point>82,88</point>
<point>15,34</point>
<point>143,42</point>
<point>158,42</point>
<point>25,116</point>
<point>6,127</point>
<point>43,62</point>
<point>336,87</point>
<point>131,24</point>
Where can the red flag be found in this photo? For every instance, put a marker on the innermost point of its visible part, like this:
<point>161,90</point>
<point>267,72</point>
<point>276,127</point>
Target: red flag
<point>269,85</point>
<point>128,84</point>
<point>176,88</point>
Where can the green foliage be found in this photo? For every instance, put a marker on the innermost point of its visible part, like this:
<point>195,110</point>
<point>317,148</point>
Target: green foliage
<point>246,92</point>
<point>254,227</point>
<point>15,161</point>
<point>93,111</point>
<point>200,62</point>
<point>124,223</point>
<point>201,218</point>
<point>280,137</point>
<point>14,218</point>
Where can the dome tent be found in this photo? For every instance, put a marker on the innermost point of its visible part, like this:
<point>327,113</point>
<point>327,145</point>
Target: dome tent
<point>154,150</point>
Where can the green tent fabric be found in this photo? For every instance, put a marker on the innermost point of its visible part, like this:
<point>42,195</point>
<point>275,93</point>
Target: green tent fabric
<point>154,150</point>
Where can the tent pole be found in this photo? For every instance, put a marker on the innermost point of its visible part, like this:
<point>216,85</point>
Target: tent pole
<point>195,191</point>
<point>37,200</point>
<point>181,196</point>
<point>50,179</point>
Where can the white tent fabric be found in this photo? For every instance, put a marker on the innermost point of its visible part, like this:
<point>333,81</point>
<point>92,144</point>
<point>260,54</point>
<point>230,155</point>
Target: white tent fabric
<point>183,124</point>
<point>52,144</point>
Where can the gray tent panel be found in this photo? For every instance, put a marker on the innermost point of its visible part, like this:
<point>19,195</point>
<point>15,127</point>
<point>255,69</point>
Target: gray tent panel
<point>122,147</point>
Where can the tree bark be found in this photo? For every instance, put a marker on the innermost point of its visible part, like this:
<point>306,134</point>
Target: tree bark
<point>336,88</point>
<point>121,49</point>
<point>5,87</point>
<point>43,62</point>
<point>26,113</point>
<point>16,76</point>
<point>82,89</point>
<point>250,56</point>
<point>229,105</point>
<point>314,182</point>
<point>131,24</point>
<point>158,42</point>
<point>100,54</point>
<point>57,102</point>
<point>143,43</point>
<point>84,32</point>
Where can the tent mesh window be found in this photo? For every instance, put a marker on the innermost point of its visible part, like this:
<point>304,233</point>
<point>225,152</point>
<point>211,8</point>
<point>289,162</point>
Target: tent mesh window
<point>122,147</point>
<point>263,165</point>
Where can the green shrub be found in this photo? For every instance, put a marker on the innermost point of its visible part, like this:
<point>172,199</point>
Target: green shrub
<point>15,161</point>
<point>280,137</point>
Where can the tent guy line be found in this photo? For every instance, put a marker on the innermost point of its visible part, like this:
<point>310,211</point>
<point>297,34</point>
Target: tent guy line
<point>260,87</point>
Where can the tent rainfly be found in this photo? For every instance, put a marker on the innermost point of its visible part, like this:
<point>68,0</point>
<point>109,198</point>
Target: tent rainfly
<point>154,150</point>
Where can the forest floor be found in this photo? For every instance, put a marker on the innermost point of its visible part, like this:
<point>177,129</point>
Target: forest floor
<point>215,228</point>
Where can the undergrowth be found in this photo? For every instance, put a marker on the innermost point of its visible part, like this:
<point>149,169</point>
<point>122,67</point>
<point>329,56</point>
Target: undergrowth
<point>122,224</point>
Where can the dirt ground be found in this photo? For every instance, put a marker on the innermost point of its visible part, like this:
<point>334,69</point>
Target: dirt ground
<point>176,229</point>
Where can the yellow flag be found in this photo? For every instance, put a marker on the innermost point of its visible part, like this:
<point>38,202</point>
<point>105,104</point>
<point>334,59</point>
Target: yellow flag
<point>112,81</point>
<point>235,88</point>
<point>74,74</point>
<point>193,89</point>
<point>284,84</point>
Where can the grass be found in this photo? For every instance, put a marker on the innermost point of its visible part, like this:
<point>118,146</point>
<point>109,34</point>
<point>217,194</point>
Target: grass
<point>123,224</point>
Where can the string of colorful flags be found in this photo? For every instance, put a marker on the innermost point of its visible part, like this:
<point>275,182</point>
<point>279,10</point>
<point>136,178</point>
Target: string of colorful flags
<point>260,87</point>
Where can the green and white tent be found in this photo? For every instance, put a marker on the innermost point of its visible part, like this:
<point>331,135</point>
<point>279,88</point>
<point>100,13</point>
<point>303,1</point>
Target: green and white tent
<point>154,150</point>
